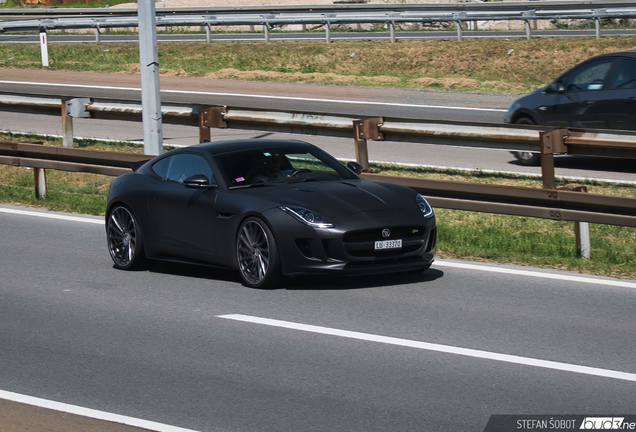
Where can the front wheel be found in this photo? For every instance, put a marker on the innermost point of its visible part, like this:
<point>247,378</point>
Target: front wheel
<point>125,242</point>
<point>527,158</point>
<point>257,255</point>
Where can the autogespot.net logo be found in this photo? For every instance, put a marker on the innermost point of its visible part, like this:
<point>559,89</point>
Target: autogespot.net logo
<point>607,423</point>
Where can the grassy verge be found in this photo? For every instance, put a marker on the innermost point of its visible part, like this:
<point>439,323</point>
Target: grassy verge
<point>468,235</point>
<point>490,65</point>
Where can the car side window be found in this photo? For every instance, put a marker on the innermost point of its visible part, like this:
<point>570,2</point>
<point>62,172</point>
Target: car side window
<point>590,76</point>
<point>161,167</point>
<point>625,75</point>
<point>179,167</point>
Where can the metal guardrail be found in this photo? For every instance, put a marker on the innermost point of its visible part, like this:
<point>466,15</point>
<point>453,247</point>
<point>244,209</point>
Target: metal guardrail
<point>547,203</point>
<point>68,159</point>
<point>462,134</point>
<point>328,15</point>
<point>555,204</point>
<point>459,6</point>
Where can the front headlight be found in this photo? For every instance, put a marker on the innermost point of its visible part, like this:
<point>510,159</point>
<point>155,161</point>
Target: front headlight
<point>426,208</point>
<point>308,217</point>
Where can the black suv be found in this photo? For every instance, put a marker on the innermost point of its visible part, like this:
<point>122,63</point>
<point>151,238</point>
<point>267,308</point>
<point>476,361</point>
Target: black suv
<point>599,93</point>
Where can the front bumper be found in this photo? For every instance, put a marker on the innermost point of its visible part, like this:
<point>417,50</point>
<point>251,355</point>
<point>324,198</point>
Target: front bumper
<point>348,248</point>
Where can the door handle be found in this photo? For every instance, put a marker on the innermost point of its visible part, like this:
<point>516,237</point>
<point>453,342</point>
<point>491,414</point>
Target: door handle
<point>588,102</point>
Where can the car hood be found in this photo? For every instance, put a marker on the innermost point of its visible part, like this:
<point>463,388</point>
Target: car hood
<point>332,198</point>
<point>530,96</point>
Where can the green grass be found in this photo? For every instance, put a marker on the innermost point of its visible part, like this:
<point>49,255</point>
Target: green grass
<point>535,242</point>
<point>467,235</point>
<point>472,65</point>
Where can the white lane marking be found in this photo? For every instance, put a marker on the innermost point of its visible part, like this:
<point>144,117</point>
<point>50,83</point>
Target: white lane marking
<point>536,274</point>
<point>438,262</point>
<point>91,413</point>
<point>490,171</point>
<point>255,96</point>
<point>487,355</point>
<point>52,216</point>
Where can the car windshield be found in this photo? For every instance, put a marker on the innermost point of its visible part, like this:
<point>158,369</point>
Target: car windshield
<point>280,165</point>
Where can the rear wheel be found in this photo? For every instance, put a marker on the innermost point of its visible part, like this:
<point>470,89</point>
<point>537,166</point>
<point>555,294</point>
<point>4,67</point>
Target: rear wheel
<point>257,254</point>
<point>125,242</point>
<point>527,158</point>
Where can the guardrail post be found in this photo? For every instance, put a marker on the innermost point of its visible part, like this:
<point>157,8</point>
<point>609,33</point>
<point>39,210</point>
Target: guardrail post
<point>266,31</point>
<point>551,142</point>
<point>362,131</point>
<point>597,19</point>
<point>208,35</point>
<point>582,233</point>
<point>392,29</point>
<point>328,31</point>
<point>527,15</point>
<point>97,35</point>
<point>67,125</point>
<point>39,175</point>
<point>457,17</point>
<point>211,117</point>
<point>583,244</point>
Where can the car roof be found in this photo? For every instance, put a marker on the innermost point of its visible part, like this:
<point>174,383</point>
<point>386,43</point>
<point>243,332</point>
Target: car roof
<point>630,53</point>
<point>230,146</point>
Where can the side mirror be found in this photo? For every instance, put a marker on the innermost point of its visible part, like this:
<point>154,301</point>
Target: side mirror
<point>355,167</point>
<point>555,87</point>
<point>198,181</point>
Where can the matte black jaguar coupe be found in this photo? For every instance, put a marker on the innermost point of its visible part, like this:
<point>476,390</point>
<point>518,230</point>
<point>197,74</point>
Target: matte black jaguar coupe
<point>268,208</point>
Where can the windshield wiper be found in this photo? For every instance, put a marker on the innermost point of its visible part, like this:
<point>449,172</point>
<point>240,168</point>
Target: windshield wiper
<point>259,184</point>
<point>311,179</point>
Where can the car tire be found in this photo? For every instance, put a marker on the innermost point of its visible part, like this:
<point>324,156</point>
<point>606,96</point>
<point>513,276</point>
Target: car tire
<point>257,255</point>
<point>527,158</point>
<point>125,241</point>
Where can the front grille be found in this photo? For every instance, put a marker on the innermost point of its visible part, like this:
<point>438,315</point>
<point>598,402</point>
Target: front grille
<point>375,234</point>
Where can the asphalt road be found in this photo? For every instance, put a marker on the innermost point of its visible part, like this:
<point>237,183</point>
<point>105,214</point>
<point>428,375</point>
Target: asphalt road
<point>354,101</point>
<point>188,346</point>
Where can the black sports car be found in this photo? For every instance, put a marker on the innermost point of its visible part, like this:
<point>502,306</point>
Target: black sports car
<point>267,208</point>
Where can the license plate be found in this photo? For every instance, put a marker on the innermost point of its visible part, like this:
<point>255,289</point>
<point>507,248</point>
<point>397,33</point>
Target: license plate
<point>388,244</point>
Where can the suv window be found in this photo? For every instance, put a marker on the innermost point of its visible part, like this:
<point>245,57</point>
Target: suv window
<point>625,75</point>
<point>179,167</point>
<point>590,76</point>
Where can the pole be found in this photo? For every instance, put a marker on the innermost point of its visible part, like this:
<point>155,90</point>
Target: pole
<point>67,126</point>
<point>39,175</point>
<point>44,48</point>
<point>149,67</point>
<point>582,234</point>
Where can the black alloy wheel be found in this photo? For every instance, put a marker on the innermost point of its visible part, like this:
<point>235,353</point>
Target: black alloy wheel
<point>527,158</point>
<point>125,242</point>
<point>257,254</point>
